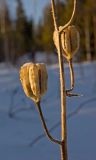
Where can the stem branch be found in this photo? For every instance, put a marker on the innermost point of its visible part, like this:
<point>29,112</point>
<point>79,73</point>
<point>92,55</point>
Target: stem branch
<point>45,126</point>
<point>71,76</point>
<point>71,19</point>
<point>54,14</point>
<point>63,102</point>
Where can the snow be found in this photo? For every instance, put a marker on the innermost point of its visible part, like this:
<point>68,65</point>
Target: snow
<point>39,58</point>
<point>22,136</point>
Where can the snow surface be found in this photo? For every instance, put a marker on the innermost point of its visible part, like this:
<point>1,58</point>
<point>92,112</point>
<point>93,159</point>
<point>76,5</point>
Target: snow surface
<point>22,136</point>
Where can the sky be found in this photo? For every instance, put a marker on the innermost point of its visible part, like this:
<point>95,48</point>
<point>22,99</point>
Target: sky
<point>33,8</point>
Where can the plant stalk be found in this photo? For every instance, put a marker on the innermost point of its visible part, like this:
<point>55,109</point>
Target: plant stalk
<point>45,126</point>
<point>71,76</point>
<point>63,103</point>
<point>62,88</point>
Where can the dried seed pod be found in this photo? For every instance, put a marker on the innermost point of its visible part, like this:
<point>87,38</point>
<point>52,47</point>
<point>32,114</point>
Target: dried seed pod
<point>38,79</point>
<point>34,80</point>
<point>24,77</point>
<point>43,77</point>
<point>70,41</point>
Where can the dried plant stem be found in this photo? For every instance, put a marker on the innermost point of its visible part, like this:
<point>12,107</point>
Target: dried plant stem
<point>63,103</point>
<point>72,80</point>
<point>71,76</point>
<point>58,32</point>
<point>71,19</point>
<point>62,88</point>
<point>54,14</point>
<point>44,125</point>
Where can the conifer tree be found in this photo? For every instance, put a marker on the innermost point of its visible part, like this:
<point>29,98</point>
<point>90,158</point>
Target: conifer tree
<point>23,30</point>
<point>6,26</point>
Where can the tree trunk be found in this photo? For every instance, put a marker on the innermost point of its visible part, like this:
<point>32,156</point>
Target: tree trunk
<point>87,38</point>
<point>94,31</point>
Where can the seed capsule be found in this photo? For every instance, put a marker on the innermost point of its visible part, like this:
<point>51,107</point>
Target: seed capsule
<point>24,77</point>
<point>42,78</point>
<point>70,41</point>
<point>34,80</point>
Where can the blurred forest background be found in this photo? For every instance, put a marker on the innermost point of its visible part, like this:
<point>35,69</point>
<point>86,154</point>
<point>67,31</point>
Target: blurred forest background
<point>23,36</point>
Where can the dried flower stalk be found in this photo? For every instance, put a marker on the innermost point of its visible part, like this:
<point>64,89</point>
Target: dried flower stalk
<point>34,81</point>
<point>34,76</point>
<point>70,43</point>
<point>58,43</point>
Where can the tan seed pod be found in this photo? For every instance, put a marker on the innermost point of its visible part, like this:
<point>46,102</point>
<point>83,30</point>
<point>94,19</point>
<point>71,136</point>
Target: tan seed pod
<point>38,79</point>
<point>34,80</point>
<point>24,77</point>
<point>70,40</point>
<point>43,77</point>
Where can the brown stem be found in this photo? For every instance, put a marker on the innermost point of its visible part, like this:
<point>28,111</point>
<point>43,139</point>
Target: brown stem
<point>63,103</point>
<point>45,126</point>
<point>62,88</point>
<point>54,14</point>
<point>71,76</point>
<point>68,91</point>
<point>71,19</point>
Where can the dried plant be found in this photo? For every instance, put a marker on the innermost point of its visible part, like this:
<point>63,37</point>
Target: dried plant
<point>34,76</point>
<point>66,40</point>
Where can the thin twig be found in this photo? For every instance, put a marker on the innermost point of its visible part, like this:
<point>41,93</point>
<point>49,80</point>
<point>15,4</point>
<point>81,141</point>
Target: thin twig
<point>71,76</point>
<point>43,135</point>
<point>54,14</point>
<point>69,94</point>
<point>68,91</point>
<point>70,115</point>
<point>71,19</point>
<point>44,125</point>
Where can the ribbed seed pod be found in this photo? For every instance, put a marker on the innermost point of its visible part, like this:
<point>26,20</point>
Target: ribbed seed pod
<point>34,80</point>
<point>70,41</point>
<point>43,76</point>
<point>24,77</point>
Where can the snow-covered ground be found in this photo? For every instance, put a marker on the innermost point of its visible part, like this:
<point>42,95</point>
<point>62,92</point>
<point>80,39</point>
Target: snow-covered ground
<point>22,136</point>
